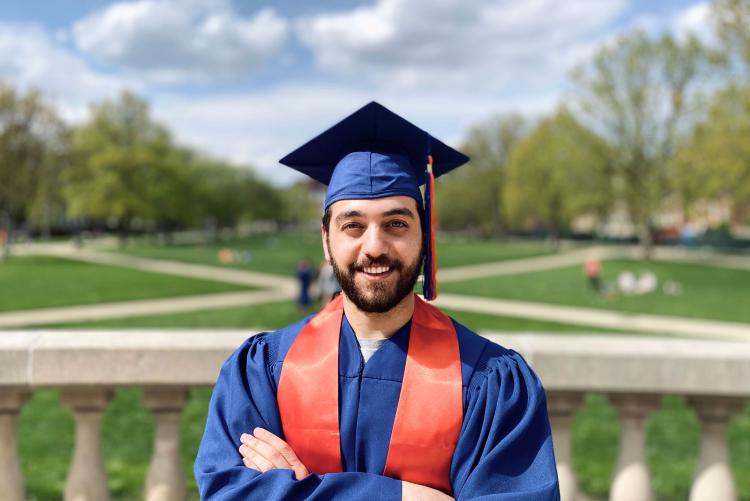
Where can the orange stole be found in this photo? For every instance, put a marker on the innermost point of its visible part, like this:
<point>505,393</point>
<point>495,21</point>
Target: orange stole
<point>430,410</point>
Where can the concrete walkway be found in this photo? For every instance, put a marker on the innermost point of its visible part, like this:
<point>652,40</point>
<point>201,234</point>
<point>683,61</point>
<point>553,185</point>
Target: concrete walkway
<point>140,308</point>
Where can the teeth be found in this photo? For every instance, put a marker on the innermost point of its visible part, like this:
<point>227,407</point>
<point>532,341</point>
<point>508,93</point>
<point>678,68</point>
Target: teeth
<point>376,270</point>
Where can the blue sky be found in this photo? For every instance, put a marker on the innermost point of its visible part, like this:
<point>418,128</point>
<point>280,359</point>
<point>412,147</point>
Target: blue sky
<point>249,81</point>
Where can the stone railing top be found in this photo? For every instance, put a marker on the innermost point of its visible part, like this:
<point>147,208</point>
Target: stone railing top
<point>635,364</point>
<point>620,364</point>
<point>115,357</point>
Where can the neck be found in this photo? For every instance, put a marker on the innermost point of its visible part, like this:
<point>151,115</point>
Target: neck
<point>378,325</point>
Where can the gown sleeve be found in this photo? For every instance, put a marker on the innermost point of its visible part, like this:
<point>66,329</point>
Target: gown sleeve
<point>243,398</point>
<point>504,452</point>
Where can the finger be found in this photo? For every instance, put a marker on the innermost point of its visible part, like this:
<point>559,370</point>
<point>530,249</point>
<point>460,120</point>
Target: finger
<point>265,451</point>
<point>300,471</point>
<point>258,461</point>
<point>251,464</point>
<point>263,465</point>
<point>245,451</point>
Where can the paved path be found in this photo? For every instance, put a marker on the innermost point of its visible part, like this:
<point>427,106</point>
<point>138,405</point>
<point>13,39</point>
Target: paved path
<point>631,322</point>
<point>126,309</point>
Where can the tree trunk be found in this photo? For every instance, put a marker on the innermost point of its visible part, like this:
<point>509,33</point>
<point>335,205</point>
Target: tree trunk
<point>124,233</point>
<point>646,239</point>
<point>6,235</point>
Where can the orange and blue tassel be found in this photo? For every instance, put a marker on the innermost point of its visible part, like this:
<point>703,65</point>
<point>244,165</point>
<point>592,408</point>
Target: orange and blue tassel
<point>429,286</point>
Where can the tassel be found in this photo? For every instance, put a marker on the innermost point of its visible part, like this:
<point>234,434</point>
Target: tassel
<point>429,286</point>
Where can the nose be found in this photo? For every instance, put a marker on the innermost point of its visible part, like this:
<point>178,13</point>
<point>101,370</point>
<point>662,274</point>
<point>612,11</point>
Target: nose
<point>374,243</point>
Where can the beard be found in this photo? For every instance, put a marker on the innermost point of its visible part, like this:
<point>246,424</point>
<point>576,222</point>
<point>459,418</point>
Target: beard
<point>377,297</point>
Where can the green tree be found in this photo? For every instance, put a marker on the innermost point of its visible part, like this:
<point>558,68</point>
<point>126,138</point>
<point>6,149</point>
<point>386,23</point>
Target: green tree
<point>469,199</point>
<point>302,202</point>
<point>126,169</point>
<point>33,144</point>
<point>732,24</point>
<point>560,171</point>
<point>261,200</point>
<point>715,162</point>
<point>227,195</point>
<point>636,93</point>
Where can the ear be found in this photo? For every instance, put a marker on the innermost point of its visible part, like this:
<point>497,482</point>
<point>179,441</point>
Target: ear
<point>325,247</point>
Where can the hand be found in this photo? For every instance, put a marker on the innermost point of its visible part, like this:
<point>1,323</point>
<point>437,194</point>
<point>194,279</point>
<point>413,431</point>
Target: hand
<point>264,451</point>
<point>416,492</point>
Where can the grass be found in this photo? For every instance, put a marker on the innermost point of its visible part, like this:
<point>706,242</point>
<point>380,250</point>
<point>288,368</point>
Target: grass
<point>456,252</point>
<point>707,292</point>
<point>270,254</point>
<point>280,254</point>
<point>672,438</point>
<point>46,437</point>
<point>47,282</point>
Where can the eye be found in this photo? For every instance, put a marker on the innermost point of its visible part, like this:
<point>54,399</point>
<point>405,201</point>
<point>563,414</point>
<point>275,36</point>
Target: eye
<point>397,224</point>
<point>351,226</point>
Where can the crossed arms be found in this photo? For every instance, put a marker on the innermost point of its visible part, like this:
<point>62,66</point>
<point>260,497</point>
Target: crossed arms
<point>263,451</point>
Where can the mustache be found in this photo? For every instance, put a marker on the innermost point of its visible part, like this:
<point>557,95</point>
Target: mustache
<point>378,261</point>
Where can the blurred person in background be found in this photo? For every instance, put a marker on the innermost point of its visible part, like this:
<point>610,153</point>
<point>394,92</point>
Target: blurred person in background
<point>327,283</point>
<point>304,276</point>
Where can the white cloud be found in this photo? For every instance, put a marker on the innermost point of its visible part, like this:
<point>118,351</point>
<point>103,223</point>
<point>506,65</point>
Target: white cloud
<point>30,58</point>
<point>498,44</point>
<point>257,129</point>
<point>185,40</point>
<point>694,20</point>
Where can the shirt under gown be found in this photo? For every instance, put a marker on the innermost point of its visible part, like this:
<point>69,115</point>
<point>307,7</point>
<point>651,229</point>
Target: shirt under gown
<point>504,450</point>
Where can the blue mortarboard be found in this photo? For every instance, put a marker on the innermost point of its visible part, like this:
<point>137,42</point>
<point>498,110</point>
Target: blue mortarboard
<point>374,153</point>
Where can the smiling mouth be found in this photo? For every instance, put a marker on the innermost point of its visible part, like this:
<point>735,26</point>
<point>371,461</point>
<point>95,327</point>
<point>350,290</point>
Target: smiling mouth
<point>376,270</point>
<point>376,273</point>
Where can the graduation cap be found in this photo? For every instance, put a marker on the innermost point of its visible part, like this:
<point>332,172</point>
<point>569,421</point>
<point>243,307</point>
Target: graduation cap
<point>374,153</point>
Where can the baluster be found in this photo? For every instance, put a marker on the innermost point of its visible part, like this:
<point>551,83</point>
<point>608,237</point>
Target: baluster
<point>562,406</point>
<point>713,479</point>
<point>632,481</point>
<point>11,477</point>
<point>87,479</point>
<point>166,480</point>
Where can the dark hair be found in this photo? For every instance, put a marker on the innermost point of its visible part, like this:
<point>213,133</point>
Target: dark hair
<point>326,219</point>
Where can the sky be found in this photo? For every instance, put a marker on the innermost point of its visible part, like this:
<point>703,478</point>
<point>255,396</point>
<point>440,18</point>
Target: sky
<point>247,82</point>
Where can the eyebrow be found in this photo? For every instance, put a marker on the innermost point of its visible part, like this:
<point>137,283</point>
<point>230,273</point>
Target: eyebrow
<point>348,215</point>
<point>398,211</point>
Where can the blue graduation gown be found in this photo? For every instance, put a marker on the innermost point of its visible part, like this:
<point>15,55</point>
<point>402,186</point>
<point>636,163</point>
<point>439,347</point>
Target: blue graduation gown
<point>504,451</point>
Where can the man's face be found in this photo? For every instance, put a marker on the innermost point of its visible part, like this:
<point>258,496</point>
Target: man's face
<point>375,248</point>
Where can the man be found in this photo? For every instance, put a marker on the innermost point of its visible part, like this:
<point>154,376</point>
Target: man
<point>380,395</point>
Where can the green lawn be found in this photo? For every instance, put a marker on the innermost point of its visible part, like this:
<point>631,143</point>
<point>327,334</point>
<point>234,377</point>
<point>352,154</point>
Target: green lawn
<point>672,437</point>
<point>456,252</point>
<point>280,254</point>
<point>47,282</point>
<point>270,254</point>
<point>46,437</point>
<point>707,292</point>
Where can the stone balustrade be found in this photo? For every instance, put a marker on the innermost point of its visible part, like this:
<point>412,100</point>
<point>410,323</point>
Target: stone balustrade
<point>87,366</point>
